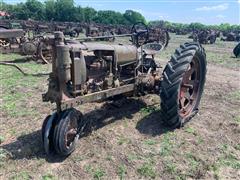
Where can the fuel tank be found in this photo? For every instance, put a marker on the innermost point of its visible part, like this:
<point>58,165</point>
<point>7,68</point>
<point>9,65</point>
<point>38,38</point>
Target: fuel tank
<point>125,53</point>
<point>122,53</point>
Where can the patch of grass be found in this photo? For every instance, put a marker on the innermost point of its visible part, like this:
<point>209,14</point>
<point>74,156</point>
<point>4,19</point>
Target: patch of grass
<point>199,140</point>
<point>150,142</point>
<point>9,57</point>
<point>22,175</point>
<point>215,169</point>
<point>14,85</point>
<point>1,139</point>
<point>122,171</point>
<point>170,168</point>
<point>237,147</point>
<point>148,110</point>
<point>235,95</point>
<point>191,131</point>
<point>89,168</point>
<point>147,170</point>
<point>98,173</point>
<point>133,157</point>
<point>223,59</point>
<point>123,140</point>
<point>48,177</point>
<point>237,119</point>
<point>12,131</point>
<point>3,156</point>
<point>193,163</point>
<point>109,158</point>
<point>230,160</point>
<point>167,145</point>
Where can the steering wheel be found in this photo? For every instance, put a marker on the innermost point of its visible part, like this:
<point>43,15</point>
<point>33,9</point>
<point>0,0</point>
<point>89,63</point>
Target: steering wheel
<point>140,34</point>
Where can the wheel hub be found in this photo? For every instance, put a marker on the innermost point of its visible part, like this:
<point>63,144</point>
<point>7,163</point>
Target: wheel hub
<point>189,88</point>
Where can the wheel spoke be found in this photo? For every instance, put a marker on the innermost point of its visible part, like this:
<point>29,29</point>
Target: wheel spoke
<point>187,96</point>
<point>182,101</point>
<point>189,72</point>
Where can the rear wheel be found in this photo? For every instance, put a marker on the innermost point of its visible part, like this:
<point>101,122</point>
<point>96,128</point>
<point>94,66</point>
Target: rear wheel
<point>236,50</point>
<point>183,83</point>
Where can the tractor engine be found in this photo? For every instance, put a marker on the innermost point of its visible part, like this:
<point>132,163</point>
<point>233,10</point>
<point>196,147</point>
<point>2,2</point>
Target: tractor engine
<point>107,66</point>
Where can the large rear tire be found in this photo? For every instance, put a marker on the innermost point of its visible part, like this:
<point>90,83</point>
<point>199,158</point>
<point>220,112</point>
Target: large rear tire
<point>183,83</point>
<point>236,51</point>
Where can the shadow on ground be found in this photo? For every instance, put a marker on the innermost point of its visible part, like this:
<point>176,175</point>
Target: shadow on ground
<point>152,125</point>
<point>29,146</point>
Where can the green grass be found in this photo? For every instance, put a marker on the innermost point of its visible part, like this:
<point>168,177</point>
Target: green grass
<point>230,160</point>
<point>122,171</point>
<point>237,147</point>
<point>123,140</point>
<point>133,157</point>
<point>148,110</point>
<point>150,142</point>
<point>147,170</point>
<point>166,146</point>
<point>219,53</point>
<point>3,156</point>
<point>48,177</point>
<point>191,130</point>
<point>226,159</point>
<point>170,168</point>
<point>98,173</point>
<point>15,86</point>
<point>235,95</point>
<point>21,176</point>
<point>237,119</point>
<point>193,163</point>
<point>2,138</point>
<point>10,57</point>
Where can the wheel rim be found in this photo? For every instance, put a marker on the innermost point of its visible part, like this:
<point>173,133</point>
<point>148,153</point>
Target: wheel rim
<point>189,89</point>
<point>71,132</point>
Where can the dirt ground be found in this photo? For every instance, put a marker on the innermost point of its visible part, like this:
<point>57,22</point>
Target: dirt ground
<point>125,139</point>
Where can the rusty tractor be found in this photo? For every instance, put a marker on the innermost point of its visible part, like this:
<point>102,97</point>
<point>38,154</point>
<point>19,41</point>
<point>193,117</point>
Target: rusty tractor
<point>85,72</point>
<point>205,37</point>
<point>159,35</point>
<point>97,31</point>
<point>231,36</point>
<point>11,40</point>
<point>15,41</point>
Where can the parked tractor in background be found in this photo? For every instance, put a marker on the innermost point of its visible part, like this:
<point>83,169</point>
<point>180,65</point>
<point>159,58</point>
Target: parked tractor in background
<point>85,72</point>
<point>205,37</point>
<point>11,40</point>
<point>231,36</point>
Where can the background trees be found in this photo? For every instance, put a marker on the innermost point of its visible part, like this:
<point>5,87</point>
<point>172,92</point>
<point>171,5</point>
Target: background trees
<point>66,10</point>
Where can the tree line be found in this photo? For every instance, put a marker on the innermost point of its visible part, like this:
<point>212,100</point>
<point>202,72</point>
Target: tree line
<point>67,11</point>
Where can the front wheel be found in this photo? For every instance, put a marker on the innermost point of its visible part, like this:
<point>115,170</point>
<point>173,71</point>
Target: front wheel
<point>66,132</point>
<point>183,83</point>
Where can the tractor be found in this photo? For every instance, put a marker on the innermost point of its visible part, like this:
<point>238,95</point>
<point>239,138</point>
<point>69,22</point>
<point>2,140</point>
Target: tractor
<point>84,72</point>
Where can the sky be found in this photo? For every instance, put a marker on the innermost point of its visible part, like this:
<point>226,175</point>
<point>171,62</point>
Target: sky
<point>181,11</point>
